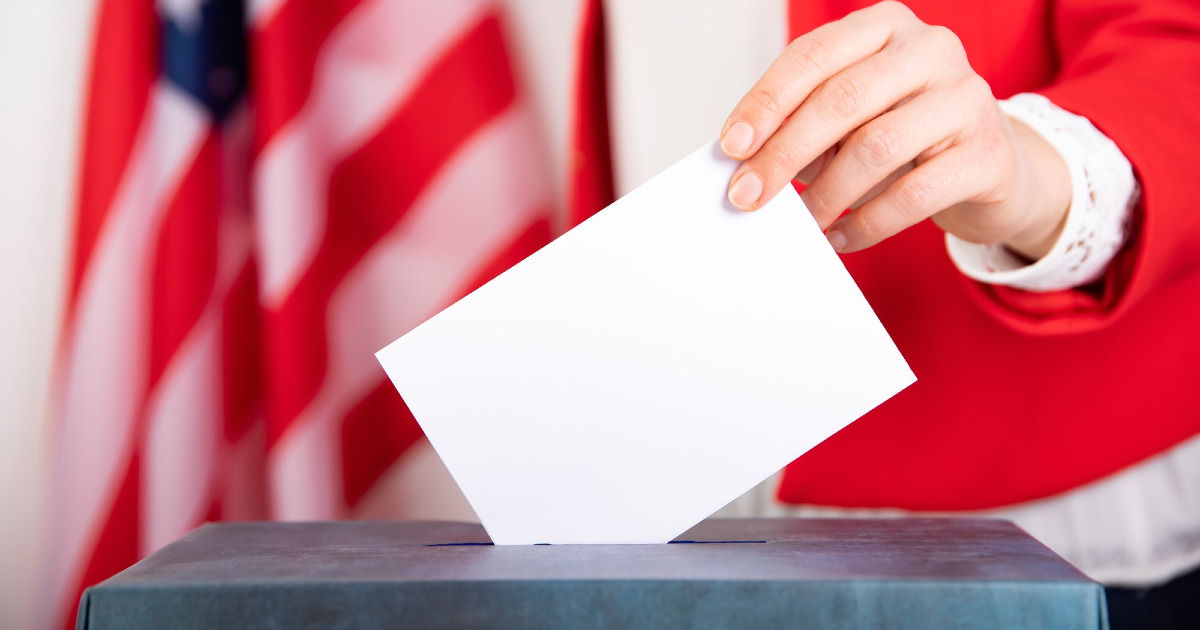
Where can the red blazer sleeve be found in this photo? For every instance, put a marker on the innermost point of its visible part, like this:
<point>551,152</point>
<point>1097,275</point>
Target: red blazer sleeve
<point>1132,68</point>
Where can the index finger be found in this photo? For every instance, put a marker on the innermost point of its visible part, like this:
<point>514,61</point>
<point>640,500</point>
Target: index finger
<point>806,63</point>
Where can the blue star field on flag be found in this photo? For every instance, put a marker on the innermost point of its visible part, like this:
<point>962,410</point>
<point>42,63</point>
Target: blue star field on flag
<point>206,55</point>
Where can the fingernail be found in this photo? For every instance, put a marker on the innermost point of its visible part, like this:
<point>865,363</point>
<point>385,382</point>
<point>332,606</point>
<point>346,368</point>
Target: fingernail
<point>737,139</point>
<point>837,240</point>
<point>745,191</point>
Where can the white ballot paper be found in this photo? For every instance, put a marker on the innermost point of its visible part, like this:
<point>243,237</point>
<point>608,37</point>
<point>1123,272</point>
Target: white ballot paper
<point>647,367</point>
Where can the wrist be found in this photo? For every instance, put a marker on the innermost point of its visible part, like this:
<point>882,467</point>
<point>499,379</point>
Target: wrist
<point>1049,194</point>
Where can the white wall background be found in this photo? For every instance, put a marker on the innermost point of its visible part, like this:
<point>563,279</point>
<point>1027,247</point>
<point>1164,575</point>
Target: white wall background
<point>676,69</point>
<point>42,61</point>
<point>679,68</point>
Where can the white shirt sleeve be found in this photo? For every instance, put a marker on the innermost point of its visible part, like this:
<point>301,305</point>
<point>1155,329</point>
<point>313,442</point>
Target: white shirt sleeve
<point>1104,193</point>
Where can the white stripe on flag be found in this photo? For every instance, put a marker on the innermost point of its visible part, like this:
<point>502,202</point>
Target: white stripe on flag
<point>185,416</point>
<point>183,434</point>
<point>259,12</point>
<point>369,65</point>
<point>485,196</point>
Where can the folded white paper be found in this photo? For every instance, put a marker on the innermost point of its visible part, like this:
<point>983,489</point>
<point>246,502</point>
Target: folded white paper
<point>647,367</point>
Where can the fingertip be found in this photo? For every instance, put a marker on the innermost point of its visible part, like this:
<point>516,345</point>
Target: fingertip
<point>837,240</point>
<point>745,191</point>
<point>737,139</point>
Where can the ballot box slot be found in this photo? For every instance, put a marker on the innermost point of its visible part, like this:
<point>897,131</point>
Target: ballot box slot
<point>673,542</point>
<point>715,542</point>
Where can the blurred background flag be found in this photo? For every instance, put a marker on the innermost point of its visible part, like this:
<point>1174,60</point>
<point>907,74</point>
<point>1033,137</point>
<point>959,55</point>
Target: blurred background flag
<point>158,343</point>
<point>270,192</point>
<point>396,168</point>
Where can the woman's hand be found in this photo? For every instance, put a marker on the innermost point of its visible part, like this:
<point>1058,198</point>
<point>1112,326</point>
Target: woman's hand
<point>882,113</point>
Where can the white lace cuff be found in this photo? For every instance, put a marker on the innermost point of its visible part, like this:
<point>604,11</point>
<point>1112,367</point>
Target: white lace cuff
<point>1104,193</point>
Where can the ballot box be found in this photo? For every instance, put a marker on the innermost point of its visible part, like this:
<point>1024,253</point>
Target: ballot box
<point>728,573</point>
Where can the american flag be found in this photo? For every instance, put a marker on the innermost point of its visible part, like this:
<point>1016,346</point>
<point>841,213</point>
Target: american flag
<point>270,193</point>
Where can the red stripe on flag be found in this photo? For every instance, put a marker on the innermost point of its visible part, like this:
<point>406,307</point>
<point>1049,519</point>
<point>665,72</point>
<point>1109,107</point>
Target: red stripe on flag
<point>185,258</point>
<point>124,69</point>
<point>214,513</point>
<point>117,544</point>
<point>285,56</point>
<point>243,374</point>
<point>590,179</point>
<point>369,193</point>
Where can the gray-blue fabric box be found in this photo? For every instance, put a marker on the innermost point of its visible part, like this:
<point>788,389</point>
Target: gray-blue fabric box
<point>735,573</point>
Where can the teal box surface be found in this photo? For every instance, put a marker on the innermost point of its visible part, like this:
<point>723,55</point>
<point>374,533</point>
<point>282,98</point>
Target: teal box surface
<point>735,573</point>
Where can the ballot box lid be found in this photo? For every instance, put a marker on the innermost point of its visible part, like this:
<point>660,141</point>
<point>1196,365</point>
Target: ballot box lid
<point>723,573</point>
